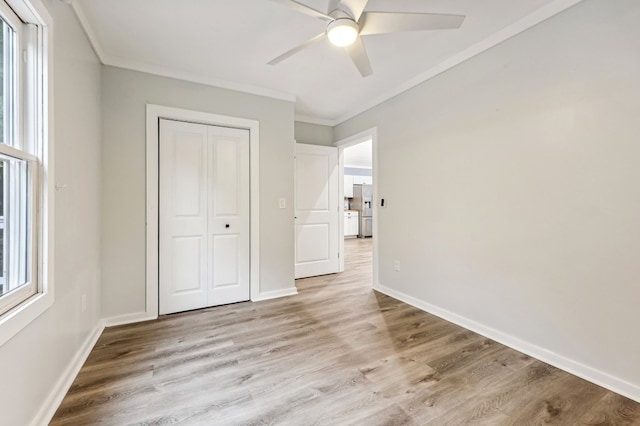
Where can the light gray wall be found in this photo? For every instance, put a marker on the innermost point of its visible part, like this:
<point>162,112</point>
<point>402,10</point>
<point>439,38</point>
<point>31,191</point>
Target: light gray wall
<point>512,184</point>
<point>126,94</point>
<point>35,359</point>
<point>313,134</point>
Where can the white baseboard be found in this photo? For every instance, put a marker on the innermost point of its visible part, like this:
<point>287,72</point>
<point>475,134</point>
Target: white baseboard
<point>274,294</point>
<point>57,394</point>
<point>583,371</point>
<point>128,319</point>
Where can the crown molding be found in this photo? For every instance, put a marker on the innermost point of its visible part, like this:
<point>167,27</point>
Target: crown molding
<point>315,120</point>
<point>88,30</point>
<point>531,20</point>
<point>117,62</point>
<point>195,78</point>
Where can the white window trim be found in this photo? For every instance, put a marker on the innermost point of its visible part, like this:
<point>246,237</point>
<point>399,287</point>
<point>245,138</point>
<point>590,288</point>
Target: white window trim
<point>20,317</point>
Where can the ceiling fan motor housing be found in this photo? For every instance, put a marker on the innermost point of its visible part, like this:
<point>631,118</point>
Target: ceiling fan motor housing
<point>342,31</point>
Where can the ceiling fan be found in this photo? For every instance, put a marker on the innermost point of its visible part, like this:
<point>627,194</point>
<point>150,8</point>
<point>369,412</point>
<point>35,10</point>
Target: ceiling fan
<point>347,22</point>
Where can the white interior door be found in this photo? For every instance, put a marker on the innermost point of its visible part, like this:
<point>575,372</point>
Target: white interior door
<point>204,216</point>
<point>228,215</point>
<point>317,210</point>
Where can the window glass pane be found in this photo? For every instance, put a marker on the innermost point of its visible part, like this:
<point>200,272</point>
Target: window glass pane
<point>2,239</point>
<point>2,73</point>
<point>8,85</point>
<point>14,224</point>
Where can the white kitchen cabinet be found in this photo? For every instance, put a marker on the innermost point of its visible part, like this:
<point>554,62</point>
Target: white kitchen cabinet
<point>348,186</point>
<point>351,223</point>
<point>362,180</point>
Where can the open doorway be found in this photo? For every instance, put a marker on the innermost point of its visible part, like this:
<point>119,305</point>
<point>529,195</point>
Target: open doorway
<point>358,197</point>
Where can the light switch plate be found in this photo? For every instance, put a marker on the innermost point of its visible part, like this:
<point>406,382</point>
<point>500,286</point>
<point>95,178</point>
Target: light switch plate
<point>282,203</point>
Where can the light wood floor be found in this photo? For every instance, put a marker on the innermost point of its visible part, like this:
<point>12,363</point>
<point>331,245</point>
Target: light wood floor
<point>338,353</point>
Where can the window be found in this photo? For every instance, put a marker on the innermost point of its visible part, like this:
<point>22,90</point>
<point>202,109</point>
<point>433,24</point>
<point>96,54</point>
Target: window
<point>23,231</point>
<point>18,166</point>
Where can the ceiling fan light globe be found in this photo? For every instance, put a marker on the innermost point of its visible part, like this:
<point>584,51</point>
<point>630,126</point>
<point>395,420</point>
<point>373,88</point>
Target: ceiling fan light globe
<point>342,32</point>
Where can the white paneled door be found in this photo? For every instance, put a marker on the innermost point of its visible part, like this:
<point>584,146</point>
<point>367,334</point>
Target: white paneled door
<point>317,210</point>
<point>204,216</point>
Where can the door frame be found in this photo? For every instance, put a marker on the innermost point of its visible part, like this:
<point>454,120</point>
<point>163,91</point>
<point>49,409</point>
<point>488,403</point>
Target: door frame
<point>154,114</point>
<point>363,136</point>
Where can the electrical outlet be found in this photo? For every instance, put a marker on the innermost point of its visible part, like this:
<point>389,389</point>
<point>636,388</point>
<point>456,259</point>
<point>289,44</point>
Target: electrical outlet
<point>396,265</point>
<point>83,303</point>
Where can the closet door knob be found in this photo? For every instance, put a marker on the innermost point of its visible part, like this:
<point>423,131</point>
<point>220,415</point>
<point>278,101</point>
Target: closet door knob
<point>227,225</point>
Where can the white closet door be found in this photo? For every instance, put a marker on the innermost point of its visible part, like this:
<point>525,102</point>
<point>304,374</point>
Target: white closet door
<point>183,216</point>
<point>317,211</point>
<point>228,215</point>
<point>204,216</point>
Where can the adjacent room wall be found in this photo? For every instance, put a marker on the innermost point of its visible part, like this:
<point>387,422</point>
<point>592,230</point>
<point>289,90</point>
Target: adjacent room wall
<point>314,134</point>
<point>126,94</point>
<point>512,189</point>
<point>34,361</point>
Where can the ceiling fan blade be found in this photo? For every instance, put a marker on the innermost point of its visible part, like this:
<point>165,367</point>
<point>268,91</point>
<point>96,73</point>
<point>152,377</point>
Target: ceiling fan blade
<point>354,7</point>
<point>298,48</point>
<point>387,22</point>
<point>359,57</point>
<point>333,5</point>
<point>303,8</point>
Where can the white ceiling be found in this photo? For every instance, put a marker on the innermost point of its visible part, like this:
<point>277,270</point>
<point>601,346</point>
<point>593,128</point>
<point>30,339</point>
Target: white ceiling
<point>228,43</point>
<point>360,156</point>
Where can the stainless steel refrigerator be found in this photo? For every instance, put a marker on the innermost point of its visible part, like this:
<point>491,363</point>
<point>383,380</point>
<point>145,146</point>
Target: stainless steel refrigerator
<point>363,202</point>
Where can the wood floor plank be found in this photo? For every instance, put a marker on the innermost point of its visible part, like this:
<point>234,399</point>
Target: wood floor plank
<point>564,403</point>
<point>337,353</point>
<point>612,409</point>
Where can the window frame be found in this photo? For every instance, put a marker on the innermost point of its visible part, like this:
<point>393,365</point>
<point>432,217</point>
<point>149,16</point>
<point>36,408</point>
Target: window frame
<point>36,132</point>
<point>20,227</point>
<point>22,231</point>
